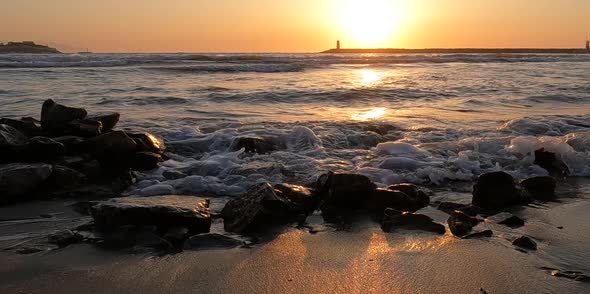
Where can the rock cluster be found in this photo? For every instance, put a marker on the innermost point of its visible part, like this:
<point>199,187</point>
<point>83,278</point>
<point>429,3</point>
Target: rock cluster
<point>498,190</point>
<point>336,194</point>
<point>70,152</point>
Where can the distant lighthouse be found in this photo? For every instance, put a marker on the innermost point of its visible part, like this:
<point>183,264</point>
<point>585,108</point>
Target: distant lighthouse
<point>338,44</point>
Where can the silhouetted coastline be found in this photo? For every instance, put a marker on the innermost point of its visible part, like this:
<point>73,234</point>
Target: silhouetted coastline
<point>461,51</point>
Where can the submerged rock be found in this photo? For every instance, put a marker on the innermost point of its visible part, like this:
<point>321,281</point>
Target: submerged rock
<point>460,223</point>
<point>549,161</point>
<point>572,275</point>
<point>393,219</point>
<point>19,181</point>
<point>496,190</point>
<point>211,241</point>
<point>162,211</point>
<point>55,117</point>
<point>542,188</point>
<point>108,120</point>
<point>28,128</point>
<point>525,242</point>
<point>253,145</point>
<point>260,205</point>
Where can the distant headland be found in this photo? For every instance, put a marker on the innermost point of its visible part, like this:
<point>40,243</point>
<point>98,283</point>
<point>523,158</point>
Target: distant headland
<point>26,47</point>
<point>338,49</point>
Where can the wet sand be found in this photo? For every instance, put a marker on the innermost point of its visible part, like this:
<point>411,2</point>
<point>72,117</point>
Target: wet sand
<point>361,259</point>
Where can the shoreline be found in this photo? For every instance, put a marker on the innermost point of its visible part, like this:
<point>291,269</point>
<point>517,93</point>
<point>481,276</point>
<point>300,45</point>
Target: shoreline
<point>461,51</point>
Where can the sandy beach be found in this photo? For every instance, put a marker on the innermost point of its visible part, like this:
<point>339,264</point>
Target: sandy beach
<point>358,259</point>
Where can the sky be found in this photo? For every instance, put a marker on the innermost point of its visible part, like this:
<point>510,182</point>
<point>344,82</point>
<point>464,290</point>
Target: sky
<point>293,25</point>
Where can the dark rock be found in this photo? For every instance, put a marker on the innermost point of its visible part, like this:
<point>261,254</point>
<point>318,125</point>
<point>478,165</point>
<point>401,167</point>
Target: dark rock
<point>173,175</point>
<point>253,145</point>
<point>322,185</point>
<point>64,238</point>
<point>419,194</point>
<point>297,196</point>
<point>65,178</point>
<point>162,211</point>
<point>449,207</point>
<point>147,142</point>
<point>107,120</point>
<point>260,205</point>
<point>394,219</point>
<point>349,191</point>
<point>72,144</point>
<point>549,161</point>
<point>176,235</point>
<point>513,222</point>
<point>22,180</point>
<point>29,129</point>
<point>482,234</point>
<point>142,161</point>
<point>211,241</point>
<point>542,188</point>
<point>380,199</point>
<point>55,117</point>
<point>460,223</point>
<point>11,142</point>
<point>83,128</point>
<point>42,148</point>
<point>496,190</point>
<point>111,149</point>
<point>525,242</point>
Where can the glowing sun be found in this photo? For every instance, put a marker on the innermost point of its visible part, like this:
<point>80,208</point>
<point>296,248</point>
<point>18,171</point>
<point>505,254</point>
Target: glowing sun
<point>369,23</point>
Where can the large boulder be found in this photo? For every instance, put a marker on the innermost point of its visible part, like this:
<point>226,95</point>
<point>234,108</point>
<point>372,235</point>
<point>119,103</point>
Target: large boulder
<point>262,204</point>
<point>542,188</point>
<point>394,219</point>
<point>111,149</point>
<point>347,190</point>
<point>65,178</point>
<point>161,211</point>
<point>83,128</point>
<point>56,117</point>
<point>108,120</point>
<point>28,128</point>
<point>72,144</point>
<point>460,223</point>
<point>496,190</point>
<point>298,196</point>
<point>19,180</point>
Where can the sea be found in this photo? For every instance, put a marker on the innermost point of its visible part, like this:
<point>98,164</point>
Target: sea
<point>433,120</point>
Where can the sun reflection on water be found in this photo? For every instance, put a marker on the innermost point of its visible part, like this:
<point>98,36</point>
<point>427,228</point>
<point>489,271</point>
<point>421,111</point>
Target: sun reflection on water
<point>370,77</point>
<point>372,114</point>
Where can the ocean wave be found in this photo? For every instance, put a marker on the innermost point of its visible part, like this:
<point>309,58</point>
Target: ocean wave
<point>231,68</point>
<point>268,62</point>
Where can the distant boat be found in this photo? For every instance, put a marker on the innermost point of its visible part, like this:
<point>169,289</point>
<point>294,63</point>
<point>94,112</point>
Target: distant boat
<point>85,52</point>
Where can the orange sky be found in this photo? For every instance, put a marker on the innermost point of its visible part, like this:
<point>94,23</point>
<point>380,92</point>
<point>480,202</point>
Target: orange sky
<point>293,25</point>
